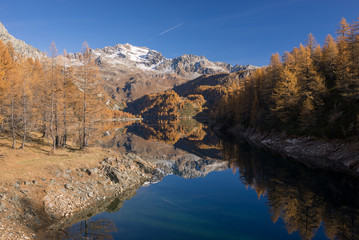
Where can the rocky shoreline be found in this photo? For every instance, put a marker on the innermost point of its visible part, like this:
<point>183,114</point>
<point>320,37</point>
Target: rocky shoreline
<point>39,208</point>
<point>314,152</point>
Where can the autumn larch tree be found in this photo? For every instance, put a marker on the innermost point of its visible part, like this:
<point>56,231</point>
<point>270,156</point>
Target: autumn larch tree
<point>26,77</point>
<point>53,52</point>
<point>89,85</point>
<point>13,78</point>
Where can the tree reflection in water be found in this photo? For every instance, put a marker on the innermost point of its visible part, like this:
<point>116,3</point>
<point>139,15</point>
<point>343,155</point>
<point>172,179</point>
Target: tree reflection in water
<point>91,229</point>
<point>303,198</point>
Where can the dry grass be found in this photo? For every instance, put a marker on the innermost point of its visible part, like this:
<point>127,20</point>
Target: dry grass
<point>37,161</point>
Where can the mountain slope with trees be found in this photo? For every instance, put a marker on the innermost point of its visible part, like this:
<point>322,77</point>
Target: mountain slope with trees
<point>189,99</point>
<point>50,97</point>
<point>312,90</point>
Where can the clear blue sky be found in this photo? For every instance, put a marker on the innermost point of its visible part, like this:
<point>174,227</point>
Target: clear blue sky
<point>233,31</point>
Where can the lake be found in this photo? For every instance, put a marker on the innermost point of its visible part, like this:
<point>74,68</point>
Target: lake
<point>213,188</point>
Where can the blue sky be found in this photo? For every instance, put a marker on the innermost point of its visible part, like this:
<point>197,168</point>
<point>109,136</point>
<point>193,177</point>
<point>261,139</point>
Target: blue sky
<point>237,32</point>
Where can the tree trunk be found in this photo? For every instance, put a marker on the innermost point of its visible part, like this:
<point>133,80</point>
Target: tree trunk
<point>52,107</point>
<point>52,122</point>
<point>84,129</point>
<point>13,118</point>
<point>57,140</point>
<point>24,115</point>
<point>44,127</point>
<point>64,138</point>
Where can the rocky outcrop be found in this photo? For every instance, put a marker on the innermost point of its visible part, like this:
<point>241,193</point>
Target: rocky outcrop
<point>31,209</point>
<point>25,50</point>
<point>41,208</point>
<point>113,175</point>
<point>315,152</point>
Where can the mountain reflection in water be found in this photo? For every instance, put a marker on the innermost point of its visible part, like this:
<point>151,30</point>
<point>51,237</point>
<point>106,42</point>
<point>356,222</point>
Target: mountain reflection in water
<point>316,203</point>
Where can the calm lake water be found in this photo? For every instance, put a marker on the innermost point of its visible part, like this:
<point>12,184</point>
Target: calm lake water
<point>210,188</point>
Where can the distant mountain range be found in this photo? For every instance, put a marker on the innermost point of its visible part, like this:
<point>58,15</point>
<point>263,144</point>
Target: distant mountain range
<point>130,72</point>
<point>144,59</point>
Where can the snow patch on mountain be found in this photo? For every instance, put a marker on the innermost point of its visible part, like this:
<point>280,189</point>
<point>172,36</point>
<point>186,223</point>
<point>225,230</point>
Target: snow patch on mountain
<point>145,59</point>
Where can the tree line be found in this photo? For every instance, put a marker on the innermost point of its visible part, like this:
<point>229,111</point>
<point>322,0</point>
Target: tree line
<point>54,96</point>
<point>311,90</point>
<point>167,105</point>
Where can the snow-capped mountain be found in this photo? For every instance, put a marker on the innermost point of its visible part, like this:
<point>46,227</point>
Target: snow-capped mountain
<point>145,59</point>
<point>130,72</point>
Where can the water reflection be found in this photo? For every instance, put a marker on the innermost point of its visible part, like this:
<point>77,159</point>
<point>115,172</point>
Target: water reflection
<point>186,134</point>
<point>88,229</point>
<point>303,199</point>
<point>183,147</point>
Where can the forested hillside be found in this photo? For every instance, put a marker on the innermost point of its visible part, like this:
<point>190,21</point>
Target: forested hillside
<point>167,104</point>
<point>188,99</point>
<point>50,97</point>
<point>312,90</point>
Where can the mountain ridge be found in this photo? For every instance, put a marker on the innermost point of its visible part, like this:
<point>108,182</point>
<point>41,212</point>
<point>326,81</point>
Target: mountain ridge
<point>22,48</point>
<point>187,66</point>
<point>129,72</point>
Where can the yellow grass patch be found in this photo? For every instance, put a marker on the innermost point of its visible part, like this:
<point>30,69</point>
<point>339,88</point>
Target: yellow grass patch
<point>36,160</point>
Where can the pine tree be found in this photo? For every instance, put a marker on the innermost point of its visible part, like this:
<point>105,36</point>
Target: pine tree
<point>286,96</point>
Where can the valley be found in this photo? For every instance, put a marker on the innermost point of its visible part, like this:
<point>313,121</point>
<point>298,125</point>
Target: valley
<point>215,150</point>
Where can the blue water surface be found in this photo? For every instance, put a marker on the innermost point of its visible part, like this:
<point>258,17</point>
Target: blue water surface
<point>258,196</point>
<point>217,206</point>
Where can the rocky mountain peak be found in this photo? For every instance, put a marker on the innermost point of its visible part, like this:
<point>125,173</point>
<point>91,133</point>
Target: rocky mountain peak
<point>135,71</point>
<point>187,66</point>
<point>20,46</point>
<point>2,28</point>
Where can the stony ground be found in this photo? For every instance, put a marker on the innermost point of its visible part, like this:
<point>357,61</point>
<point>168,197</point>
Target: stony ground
<point>40,193</point>
<point>315,152</point>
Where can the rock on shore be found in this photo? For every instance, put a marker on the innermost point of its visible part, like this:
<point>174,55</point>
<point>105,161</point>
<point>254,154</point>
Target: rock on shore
<point>315,152</point>
<point>32,208</point>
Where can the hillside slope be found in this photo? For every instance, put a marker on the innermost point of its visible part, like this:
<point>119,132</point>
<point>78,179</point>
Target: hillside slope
<point>25,50</point>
